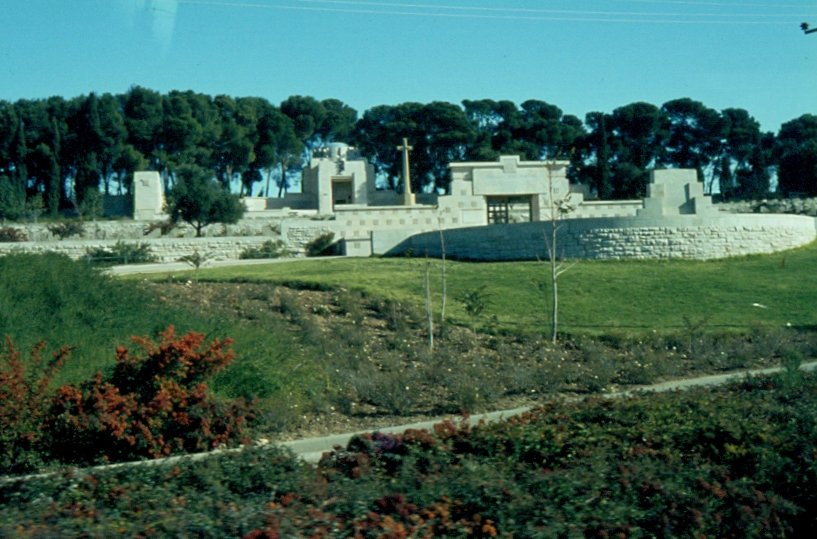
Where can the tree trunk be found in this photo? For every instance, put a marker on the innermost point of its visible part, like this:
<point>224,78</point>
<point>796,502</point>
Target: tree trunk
<point>444,285</point>
<point>283,178</point>
<point>429,310</point>
<point>554,279</point>
<point>269,177</point>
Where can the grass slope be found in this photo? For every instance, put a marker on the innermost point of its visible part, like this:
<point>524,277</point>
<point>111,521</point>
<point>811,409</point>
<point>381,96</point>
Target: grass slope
<point>595,296</point>
<point>50,298</point>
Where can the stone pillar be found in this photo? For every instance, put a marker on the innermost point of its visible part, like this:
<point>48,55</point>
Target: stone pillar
<point>148,198</point>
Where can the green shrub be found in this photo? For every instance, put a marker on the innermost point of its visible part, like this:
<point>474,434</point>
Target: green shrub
<point>10,234</point>
<point>120,253</point>
<point>196,259</point>
<point>290,306</point>
<point>268,249</point>
<point>350,305</point>
<point>67,229</point>
<point>164,227</point>
<point>323,245</point>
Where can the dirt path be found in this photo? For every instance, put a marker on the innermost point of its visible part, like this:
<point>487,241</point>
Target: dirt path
<point>311,449</point>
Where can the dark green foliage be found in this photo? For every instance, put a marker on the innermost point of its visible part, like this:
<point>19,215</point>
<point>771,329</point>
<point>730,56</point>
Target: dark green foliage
<point>162,500</point>
<point>199,201</point>
<point>120,253</point>
<point>67,229</point>
<point>12,200</point>
<point>96,142</point>
<point>268,249</point>
<point>323,245</point>
<point>733,462</point>
<point>474,302</point>
<point>797,153</point>
<point>11,234</point>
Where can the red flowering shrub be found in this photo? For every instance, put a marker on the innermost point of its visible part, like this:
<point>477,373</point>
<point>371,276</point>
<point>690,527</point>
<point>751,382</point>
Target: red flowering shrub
<point>153,404</point>
<point>25,396</point>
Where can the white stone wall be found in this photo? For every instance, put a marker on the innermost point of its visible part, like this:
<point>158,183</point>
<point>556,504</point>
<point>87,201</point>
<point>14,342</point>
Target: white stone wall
<point>607,208</point>
<point>164,249</point>
<point>134,230</point>
<point>680,237</point>
<point>371,230</point>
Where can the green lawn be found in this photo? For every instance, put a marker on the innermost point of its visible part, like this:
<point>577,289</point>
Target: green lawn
<point>595,296</point>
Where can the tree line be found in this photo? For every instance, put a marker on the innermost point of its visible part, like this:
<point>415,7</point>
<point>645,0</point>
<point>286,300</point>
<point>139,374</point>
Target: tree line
<point>58,153</point>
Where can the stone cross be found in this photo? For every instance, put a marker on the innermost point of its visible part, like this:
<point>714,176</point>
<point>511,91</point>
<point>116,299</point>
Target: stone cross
<point>408,197</point>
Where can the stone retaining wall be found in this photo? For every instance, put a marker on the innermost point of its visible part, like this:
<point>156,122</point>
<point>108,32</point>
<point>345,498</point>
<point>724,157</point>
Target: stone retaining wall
<point>378,231</point>
<point>623,238</point>
<point>127,229</point>
<point>164,249</point>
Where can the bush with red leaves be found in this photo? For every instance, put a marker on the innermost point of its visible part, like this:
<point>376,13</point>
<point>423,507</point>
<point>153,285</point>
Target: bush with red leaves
<point>25,398</point>
<point>155,403</point>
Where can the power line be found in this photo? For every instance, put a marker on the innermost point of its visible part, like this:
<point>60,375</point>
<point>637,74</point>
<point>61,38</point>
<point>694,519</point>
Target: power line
<point>537,10</point>
<point>577,16</point>
<point>717,4</point>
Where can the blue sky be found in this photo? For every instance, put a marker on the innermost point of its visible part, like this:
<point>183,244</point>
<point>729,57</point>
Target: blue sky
<point>582,56</point>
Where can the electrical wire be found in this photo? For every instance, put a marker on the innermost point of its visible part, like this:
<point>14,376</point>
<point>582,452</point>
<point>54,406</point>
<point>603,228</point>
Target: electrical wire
<point>490,13</point>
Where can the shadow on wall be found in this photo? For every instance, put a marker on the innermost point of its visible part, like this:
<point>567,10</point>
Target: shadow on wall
<point>687,237</point>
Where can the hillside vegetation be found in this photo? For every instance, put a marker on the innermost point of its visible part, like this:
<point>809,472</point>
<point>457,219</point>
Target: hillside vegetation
<point>342,344</point>
<point>609,297</point>
<point>732,462</point>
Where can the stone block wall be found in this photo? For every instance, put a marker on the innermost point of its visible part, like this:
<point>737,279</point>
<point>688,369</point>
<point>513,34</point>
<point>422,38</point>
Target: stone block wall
<point>373,230</point>
<point>604,208</point>
<point>164,249</point>
<point>623,238</point>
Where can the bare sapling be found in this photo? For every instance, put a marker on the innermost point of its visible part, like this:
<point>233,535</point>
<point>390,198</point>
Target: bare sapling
<point>429,307</point>
<point>442,270</point>
<point>558,209</point>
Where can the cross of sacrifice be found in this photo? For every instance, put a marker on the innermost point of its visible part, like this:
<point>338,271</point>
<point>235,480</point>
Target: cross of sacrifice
<point>408,197</point>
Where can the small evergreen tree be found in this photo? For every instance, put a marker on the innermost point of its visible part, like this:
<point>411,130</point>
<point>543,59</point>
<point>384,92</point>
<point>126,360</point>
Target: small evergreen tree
<point>199,200</point>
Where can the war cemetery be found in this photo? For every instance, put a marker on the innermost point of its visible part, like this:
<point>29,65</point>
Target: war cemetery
<point>493,211</point>
<point>315,363</point>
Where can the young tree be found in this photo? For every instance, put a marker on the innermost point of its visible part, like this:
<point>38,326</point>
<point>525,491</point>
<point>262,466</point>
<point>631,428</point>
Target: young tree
<point>560,204</point>
<point>197,199</point>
